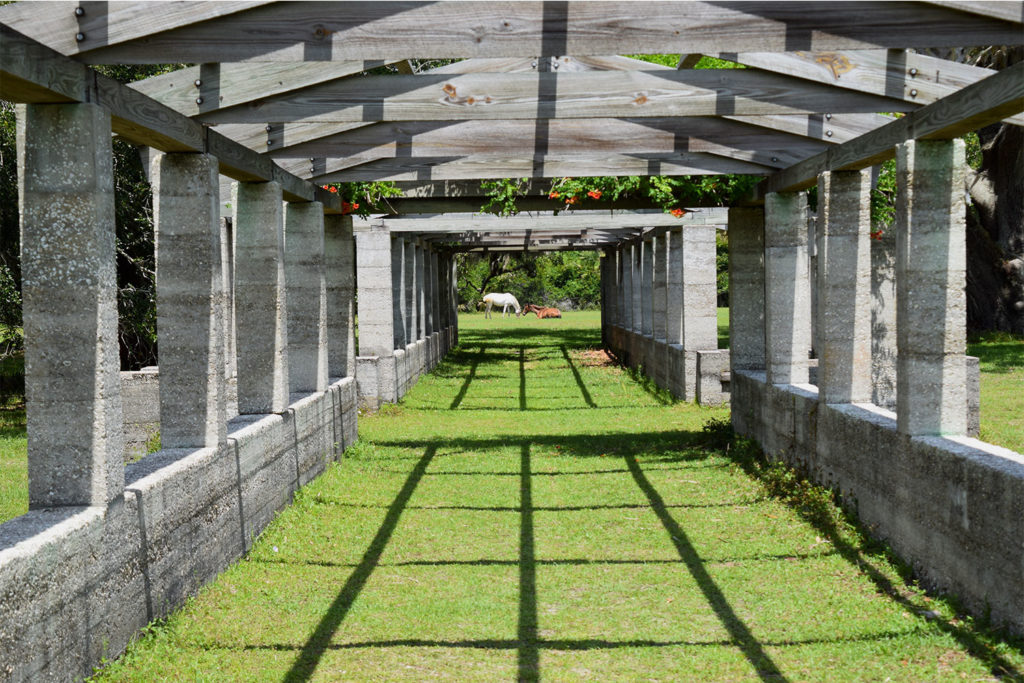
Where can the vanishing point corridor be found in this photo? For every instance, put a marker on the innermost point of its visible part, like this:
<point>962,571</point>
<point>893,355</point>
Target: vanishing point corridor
<point>531,511</point>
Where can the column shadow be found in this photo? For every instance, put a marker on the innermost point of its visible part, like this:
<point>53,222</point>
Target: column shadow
<point>579,380</point>
<point>319,642</point>
<point>473,364</point>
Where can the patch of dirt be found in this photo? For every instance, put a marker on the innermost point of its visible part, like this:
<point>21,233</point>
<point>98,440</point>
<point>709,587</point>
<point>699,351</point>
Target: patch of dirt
<point>594,358</point>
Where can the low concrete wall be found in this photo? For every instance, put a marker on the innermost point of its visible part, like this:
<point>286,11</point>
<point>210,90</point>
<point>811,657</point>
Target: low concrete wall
<point>78,582</point>
<point>140,400</point>
<point>951,507</point>
<point>672,368</point>
<point>378,383</point>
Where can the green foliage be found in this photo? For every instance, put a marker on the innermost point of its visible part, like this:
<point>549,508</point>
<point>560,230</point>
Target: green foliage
<point>722,267</point>
<point>365,198</point>
<point>567,279</point>
<point>502,194</point>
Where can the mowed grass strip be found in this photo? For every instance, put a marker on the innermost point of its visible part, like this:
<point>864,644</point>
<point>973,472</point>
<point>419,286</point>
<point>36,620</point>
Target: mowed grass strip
<point>529,511</point>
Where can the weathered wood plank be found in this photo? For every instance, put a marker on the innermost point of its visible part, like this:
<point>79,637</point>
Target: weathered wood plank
<point>977,105</point>
<point>476,167</point>
<point>561,136</point>
<point>327,31</point>
<point>229,85</point>
<point>1004,9</point>
<point>56,25</point>
<point>133,115</point>
<point>433,97</point>
<point>890,73</point>
<point>548,220</point>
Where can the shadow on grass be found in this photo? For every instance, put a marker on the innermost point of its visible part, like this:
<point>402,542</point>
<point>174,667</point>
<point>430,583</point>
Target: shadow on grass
<point>473,365</point>
<point>579,380</point>
<point>998,352</point>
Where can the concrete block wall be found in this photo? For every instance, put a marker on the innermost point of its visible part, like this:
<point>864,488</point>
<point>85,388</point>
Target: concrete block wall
<point>79,581</point>
<point>952,507</point>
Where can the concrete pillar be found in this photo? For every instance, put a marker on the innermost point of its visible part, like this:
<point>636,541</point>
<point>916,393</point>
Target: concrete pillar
<point>227,269</point>
<point>659,299</point>
<point>700,297</point>
<point>307,296</point>
<point>746,288</point>
<point>646,287</point>
<point>376,319</point>
<point>626,294</point>
<point>883,318</point>
<point>787,288</point>
<point>444,291</point>
<point>69,306</point>
<point>340,273</point>
<point>421,293</point>
<point>398,248</point>
<point>411,299</point>
<point>674,286</point>
<point>428,293</point>
<point>930,279</point>
<point>190,300</point>
<point>636,250</point>
<point>844,287</point>
<point>455,300</point>
<point>261,327</point>
<point>435,296</point>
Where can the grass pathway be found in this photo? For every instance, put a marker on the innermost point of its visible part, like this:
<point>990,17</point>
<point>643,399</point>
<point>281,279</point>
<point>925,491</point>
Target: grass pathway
<point>529,510</point>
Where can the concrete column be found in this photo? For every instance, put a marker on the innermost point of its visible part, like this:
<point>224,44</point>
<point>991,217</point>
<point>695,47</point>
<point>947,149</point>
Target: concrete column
<point>883,319</point>
<point>844,287</point>
<point>444,291</point>
<point>376,362</point>
<point>227,269</point>
<point>307,296</point>
<point>930,278</point>
<point>674,286</point>
<point>261,327</point>
<point>659,303</point>
<point>787,288</point>
<point>421,293</point>
<point>69,306</point>
<point>190,300</point>
<point>428,292</point>
<point>340,272</point>
<point>626,295</point>
<point>646,287</point>
<point>411,299</point>
<point>700,289</point>
<point>455,299</point>
<point>398,247</point>
<point>435,298</point>
<point>746,288</point>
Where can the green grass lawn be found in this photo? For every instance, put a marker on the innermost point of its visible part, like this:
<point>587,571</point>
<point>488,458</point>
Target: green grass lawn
<point>1001,359</point>
<point>13,461</point>
<point>530,511</point>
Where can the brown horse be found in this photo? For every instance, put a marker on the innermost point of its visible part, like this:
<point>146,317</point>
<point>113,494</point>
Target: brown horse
<point>542,312</point>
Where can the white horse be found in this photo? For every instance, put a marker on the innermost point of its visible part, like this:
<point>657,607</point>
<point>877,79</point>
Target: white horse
<point>504,300</point>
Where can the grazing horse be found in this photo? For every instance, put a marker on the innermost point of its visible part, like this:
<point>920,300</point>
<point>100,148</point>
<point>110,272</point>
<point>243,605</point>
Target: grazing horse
<point>542,312</point>
<point>504,300</point>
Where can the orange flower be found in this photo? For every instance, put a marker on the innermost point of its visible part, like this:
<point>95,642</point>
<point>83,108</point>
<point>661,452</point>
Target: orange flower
<point>876,235</point>
<point>678,213</point>
<point>595,194</point>
<point>334,189</point>
<point>570,200</point>
<point>554,195</point>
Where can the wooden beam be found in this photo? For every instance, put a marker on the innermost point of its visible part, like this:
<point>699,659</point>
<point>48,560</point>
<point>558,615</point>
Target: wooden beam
<point>1006,10</point>
<point>564,220</point>
<point>28,69</point>
<point>977,105</point>
<point>436,97</point>
<point>227,85</point>
<point>900,74</point>
<point>550,166</point>
<point>325,31</point>
<point>563,136</point>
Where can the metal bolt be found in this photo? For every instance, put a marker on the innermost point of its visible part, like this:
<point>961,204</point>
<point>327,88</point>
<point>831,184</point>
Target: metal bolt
<point>269,143</point>
<point>555,65</point>
<point>79,37</point>
<point>775,158</point>
<point>533,64</point>
<point>913,72</point>
<point>828,117</point>
<point>199,100</point>
<point>311,160</point>
<point>79,11</point>
<point>198,82</point>
<point>913,93</point>
<point>269,128</point>
<point>828,133</point>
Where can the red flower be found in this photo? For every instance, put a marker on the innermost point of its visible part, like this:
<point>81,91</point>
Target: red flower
<point>348,208</point>
<point>678,213</point>
<point>876,235</point>
<point>554,195</point>
<point>570,200</point>
<point>595,194</point>
<point>334,189</point>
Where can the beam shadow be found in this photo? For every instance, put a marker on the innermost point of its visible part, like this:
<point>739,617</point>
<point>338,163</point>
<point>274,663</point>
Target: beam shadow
<point>752,649</point>
<point>469,377</point>
<point>579,380</point>
<point>319,642</point>
<point>528,658</point>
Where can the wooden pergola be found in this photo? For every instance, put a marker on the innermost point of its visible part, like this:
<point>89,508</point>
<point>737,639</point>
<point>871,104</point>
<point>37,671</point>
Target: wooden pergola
<point>279,89</point>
